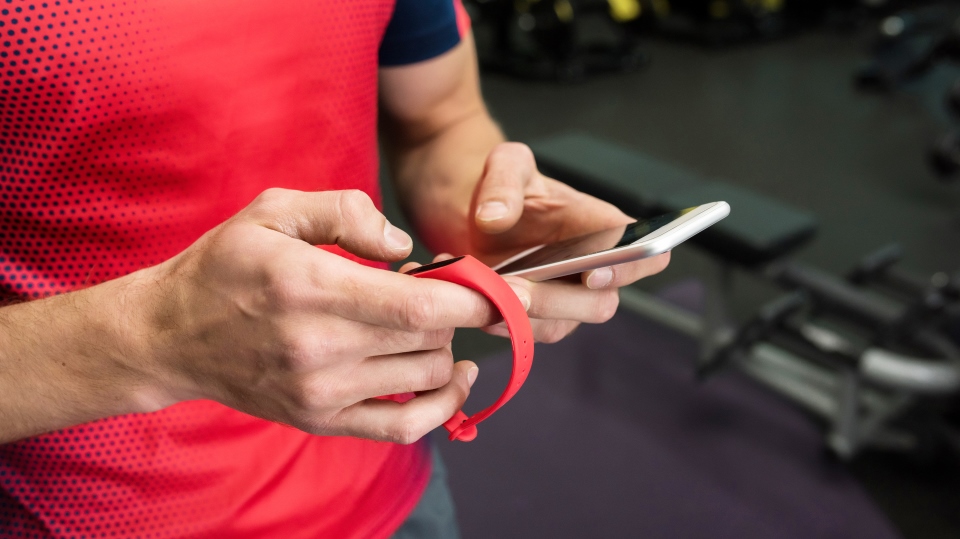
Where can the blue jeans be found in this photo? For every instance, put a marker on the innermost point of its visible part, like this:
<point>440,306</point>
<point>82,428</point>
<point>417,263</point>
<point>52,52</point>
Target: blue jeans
<point>434,516</point>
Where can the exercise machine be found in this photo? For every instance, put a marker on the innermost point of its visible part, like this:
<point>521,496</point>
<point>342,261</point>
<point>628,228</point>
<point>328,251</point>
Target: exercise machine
<point>730,22</point>
<point>563,40</point>
<point>909,44</point>
<point>865,352</point>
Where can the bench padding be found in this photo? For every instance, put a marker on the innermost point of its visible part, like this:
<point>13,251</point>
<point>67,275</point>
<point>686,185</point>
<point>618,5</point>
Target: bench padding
<point>758,230</point>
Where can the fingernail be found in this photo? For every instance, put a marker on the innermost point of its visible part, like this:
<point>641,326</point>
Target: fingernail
<point>472,375</point>
<point>600,278</point>
<point>491,211</point>
<point>397,239</point>
<point>522,295</point>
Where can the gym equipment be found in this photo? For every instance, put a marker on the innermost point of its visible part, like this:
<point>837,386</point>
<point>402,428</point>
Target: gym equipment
<point>909,44</point>
<point>862,352</point>
<point>944,154</point>
<point>718,22</point>
<point>568,40</point>
<point>645,451</point>
<point>758,230</point>
<point>867,361</point>
<point>728,22</point>
<point>563,40</point>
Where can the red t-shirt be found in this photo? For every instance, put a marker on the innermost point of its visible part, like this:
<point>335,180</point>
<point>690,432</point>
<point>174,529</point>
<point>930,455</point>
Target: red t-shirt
<point>130,128</point>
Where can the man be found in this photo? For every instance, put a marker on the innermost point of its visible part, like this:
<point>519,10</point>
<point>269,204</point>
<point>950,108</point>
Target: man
<point>210,373</point>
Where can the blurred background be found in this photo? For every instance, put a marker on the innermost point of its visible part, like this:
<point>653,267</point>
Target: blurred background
<point>794,372</point>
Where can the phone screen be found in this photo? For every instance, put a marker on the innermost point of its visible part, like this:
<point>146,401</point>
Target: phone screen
<point>596,242</point>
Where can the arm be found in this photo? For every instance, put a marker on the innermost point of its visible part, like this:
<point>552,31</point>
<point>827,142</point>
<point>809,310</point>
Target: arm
<point>438,137</point>
<point>467,191</point>
<point>235,317</point>
<point>68,360</point>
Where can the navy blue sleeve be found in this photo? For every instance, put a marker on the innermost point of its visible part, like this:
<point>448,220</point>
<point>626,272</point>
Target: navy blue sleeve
<point>419,30</point>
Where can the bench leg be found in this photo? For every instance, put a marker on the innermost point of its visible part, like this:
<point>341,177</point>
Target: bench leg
<point>716,331</point>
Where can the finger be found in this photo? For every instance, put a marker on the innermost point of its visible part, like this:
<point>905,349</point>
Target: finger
<point>401,373</point>
<point>564,300</point>
<point>545,331</point>
<point>402,302</point>
<point>357,341</point>
<point>551,331</point>
<point>408,422</point>
<point>624,274</point>
<point>498,200</point>
<point>345,218</point>
<point>580,213</point>
<point>409,266</point>
<point>412,265</point>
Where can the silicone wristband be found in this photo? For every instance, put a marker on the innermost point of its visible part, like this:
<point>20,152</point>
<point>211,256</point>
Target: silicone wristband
<point>470,272</point>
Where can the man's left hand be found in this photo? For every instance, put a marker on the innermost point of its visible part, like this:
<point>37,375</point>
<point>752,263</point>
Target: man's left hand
<point>515,207</point>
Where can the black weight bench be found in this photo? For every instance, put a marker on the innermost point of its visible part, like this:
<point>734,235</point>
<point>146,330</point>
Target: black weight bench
<point>758,230</point>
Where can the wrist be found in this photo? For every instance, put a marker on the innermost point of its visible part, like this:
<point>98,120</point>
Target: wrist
<point>75,358</point>
<point>108,348</point>
<point>144,355</point>
<point>436,180</point>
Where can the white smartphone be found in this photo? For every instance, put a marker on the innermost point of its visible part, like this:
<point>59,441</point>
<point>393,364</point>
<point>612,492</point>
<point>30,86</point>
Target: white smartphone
<point>642,239</point>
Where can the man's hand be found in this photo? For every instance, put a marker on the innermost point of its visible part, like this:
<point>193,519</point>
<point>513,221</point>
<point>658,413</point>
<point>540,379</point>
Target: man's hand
<point>441,141</point>
<point>254,316</point>
<point>514,207</point>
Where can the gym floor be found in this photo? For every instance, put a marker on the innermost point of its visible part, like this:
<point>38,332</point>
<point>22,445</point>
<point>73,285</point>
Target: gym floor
<point>783,119</point>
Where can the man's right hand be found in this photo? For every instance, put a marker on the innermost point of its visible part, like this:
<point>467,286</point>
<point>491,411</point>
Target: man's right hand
<point>253,316</point>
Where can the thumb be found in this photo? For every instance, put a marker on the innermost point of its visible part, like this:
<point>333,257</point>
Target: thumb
<point>348,219</point>
<point>498,198</point>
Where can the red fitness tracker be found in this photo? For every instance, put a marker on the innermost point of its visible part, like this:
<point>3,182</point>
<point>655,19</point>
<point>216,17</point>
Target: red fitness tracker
<point>470,272</point>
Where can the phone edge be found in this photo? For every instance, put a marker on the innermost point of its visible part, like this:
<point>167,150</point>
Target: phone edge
<point>659,244</point>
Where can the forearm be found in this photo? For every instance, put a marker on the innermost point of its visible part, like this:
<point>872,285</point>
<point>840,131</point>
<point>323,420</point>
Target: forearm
<point>438,134</point>
<point>436,177</point>
<point>71,359</point>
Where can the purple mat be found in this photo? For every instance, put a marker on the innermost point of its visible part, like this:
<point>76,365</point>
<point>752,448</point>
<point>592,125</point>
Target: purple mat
<point>612,437</point>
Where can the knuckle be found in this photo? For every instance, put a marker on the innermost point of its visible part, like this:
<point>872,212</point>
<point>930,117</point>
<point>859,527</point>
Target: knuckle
<point>438,338</point>
<point>354,206</point>
<point>281,289</point>
<point>298,351</point>
<point>308,397</point>
<point>553,336</point>
<point>266,206</point>
<point>405,431</point>
<point>665,260</point>
<point>440,370</point>
<point>607,306</point>
<point>554,332</point>
<point>318,426</point>
<point>314,397</point>
<point>512,149</point>
<point>660,263</point>
<point>417,312</point>
<point>271,197</point>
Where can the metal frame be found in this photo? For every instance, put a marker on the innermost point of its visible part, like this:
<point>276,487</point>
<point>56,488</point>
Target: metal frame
<point>857,411</point>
